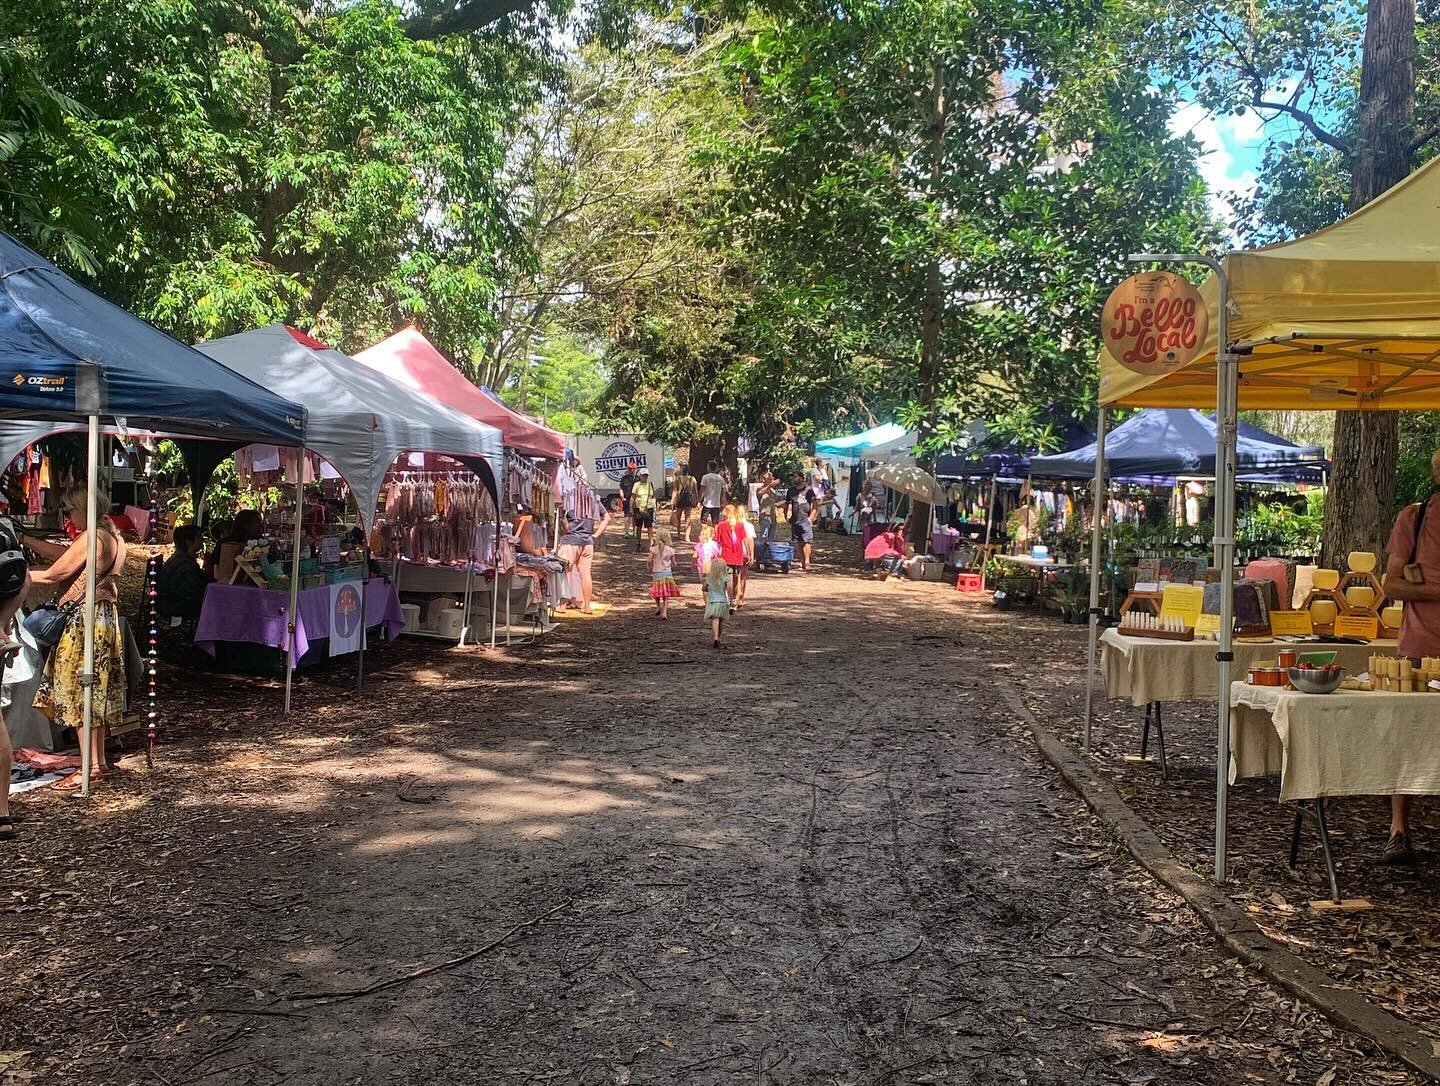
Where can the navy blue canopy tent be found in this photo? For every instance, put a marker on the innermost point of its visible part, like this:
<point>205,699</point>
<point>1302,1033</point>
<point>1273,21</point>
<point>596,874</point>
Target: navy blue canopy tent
<point>69,355</point>
<point>1158,445</point>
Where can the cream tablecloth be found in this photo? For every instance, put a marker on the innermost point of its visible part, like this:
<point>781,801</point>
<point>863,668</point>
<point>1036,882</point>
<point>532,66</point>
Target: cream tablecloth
<point>1349,743</point>
<point>1146,669</point>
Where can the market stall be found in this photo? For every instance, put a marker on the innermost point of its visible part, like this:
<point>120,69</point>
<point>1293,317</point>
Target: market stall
<point>1156,447</point>
<point>362,422</point>
<point>532,455</point>
<point>1344,319</point>
<point>1323,747</point>
<point>260,616</point>
<point>846,458</point>
<point>77,357</point>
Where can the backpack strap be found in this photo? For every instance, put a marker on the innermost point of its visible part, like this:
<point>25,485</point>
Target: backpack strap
<point>1419,524</point>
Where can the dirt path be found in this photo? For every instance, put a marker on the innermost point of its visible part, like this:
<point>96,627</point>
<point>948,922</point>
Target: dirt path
<point>825,855</point>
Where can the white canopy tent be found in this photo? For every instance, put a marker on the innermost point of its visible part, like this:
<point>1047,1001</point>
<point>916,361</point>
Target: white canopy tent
<point>356,418</point>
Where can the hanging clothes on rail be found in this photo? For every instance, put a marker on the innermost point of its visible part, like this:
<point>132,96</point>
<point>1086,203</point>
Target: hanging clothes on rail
<point>429,516</point>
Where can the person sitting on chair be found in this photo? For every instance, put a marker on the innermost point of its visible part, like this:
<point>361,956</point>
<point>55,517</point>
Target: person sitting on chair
<point>181,583</point>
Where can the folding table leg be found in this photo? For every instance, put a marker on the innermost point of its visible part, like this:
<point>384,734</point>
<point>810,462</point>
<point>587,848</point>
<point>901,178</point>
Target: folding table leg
<point>1160,742</point>
<point>1145,734</point>
<point>1325,849</point>
<point>1295,836</point>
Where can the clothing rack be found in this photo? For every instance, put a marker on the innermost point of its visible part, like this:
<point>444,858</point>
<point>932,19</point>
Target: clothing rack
<point>526,482</point>
<point>577,496</point>
<point>434,516</point>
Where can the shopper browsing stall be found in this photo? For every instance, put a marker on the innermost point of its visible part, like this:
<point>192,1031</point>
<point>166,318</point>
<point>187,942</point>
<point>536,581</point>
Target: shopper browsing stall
<point>577,549</point>
<point>181,583</point>
<point>1412,576</point>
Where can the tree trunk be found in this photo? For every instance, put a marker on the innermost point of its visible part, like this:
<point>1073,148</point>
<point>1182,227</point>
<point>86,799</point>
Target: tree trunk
<point>932,310</point>
<point>1358,507</point>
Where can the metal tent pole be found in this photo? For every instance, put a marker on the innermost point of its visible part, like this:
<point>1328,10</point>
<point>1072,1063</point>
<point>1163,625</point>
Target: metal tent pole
<point>293,619</point>
<point>495,583</point>
<point>364,629</point>
<point>87,671</point>
<point>1226,404</point>
<point>1098,504</point>
<point>1226,368</point>
<point>469,580</point>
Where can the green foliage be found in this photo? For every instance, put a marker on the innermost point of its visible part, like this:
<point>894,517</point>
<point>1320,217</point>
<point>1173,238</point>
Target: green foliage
<point>41,146</point>
<point>785,460</point>
<point>560,384</point>
<point>1278,523</point>
<point>1413,481</point>
<point>846,203</point>
<point>287,160</point>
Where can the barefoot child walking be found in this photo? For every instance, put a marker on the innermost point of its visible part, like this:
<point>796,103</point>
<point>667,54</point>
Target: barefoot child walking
<point>663,588</point>
<point>717,596</point>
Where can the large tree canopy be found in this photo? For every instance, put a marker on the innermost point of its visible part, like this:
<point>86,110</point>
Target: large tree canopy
<point>978,169</point>
<point>286,160</point>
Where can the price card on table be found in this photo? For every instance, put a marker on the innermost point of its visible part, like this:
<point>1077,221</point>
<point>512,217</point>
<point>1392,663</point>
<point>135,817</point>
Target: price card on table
<point>1366,626</point>
<point>1207,627</point>
<point>1182,601</point>
<point>1291,624</point>
<point>330,550</point>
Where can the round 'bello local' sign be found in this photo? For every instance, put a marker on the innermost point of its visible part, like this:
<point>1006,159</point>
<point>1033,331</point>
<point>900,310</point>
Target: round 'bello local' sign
<point>1154,322</point>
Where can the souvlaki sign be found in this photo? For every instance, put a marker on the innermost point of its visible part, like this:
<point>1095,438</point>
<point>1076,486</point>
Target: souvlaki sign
<point>1154,322</point>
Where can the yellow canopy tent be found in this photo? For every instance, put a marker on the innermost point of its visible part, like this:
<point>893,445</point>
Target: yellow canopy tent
<point>1346,318</point>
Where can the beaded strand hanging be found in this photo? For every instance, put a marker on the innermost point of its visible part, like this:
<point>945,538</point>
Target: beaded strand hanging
<point>152,625</point>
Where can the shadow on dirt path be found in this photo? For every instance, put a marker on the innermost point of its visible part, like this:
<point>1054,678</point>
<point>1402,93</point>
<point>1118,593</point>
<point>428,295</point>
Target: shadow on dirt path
<point>823,855</point>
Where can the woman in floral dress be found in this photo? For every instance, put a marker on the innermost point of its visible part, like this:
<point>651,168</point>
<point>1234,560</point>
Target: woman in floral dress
<point>61,696</point>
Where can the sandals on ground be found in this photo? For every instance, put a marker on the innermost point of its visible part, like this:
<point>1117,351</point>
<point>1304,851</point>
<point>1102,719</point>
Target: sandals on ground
<point>8,831</point>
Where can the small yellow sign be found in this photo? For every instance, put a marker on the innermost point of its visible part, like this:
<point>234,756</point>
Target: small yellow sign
<point>1366,626</point>
<point>1291,624</point>
<point>1207,626</point>
<point>1182,601</point>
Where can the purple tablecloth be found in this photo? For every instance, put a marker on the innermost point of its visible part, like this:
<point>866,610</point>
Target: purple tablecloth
<point>237,613</point>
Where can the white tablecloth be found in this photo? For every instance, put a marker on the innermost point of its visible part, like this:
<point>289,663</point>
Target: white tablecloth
<point>1349,743</point>
<point>1146,669</point>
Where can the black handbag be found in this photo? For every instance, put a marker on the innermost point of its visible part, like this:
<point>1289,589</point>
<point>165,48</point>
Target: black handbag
<point>46,623</point>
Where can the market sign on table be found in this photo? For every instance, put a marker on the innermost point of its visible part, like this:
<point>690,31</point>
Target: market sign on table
<point>1362,626</point>
<point>1291,624</point>
<point>1154,322</point>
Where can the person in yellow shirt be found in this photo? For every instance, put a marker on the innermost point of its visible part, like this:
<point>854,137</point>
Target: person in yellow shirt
<point>642,503</point>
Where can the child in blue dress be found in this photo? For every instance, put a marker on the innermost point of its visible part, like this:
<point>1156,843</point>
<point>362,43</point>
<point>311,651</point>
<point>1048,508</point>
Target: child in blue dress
<point>717,595</point>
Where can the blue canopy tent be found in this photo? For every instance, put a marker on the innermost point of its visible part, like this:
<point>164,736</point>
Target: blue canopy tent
<point>876,443</point>
<point>70,355</point>
<point>1158,445</point>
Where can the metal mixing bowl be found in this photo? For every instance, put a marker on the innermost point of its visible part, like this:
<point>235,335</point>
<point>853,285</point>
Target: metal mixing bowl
<point>1314,681</point>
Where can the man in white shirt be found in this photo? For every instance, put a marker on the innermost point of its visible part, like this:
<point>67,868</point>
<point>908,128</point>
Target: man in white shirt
<point>712,494</point>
